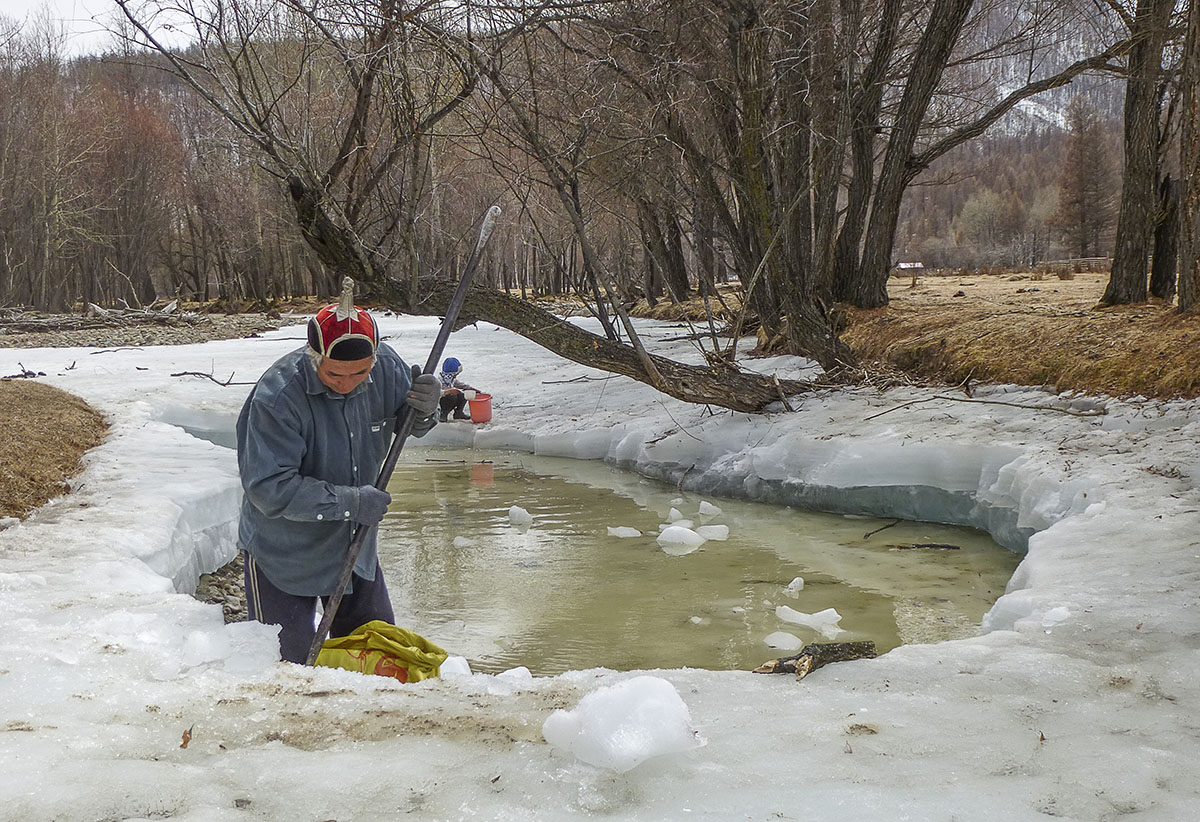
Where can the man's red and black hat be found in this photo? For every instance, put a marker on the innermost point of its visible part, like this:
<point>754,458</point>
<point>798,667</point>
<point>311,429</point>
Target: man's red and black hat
<point>343,331</point>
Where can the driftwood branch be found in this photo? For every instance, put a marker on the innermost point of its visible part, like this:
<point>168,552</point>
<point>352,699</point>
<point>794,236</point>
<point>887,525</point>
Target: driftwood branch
<point>211,377</point>
<point>817,655</point>
<point>891,524</point>
<point>1099,412</point>
<point>575,379</point>
<point>24,373</point>
<point>96,317</point>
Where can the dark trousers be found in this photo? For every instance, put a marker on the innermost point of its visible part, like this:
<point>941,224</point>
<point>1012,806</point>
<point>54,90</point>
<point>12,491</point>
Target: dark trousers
<point>296,615</point>
<point>453,403</point>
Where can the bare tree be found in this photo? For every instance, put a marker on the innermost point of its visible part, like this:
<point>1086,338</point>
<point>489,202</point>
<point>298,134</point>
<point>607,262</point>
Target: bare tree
<point>400,72</point>
<point>1139,196</point>
<point>1189,163</point>
<point>905,158</point>
<point>53,141</point>
<point>785,133</point>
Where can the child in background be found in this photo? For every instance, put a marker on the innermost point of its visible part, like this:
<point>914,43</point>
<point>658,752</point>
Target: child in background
<point>454,400</point>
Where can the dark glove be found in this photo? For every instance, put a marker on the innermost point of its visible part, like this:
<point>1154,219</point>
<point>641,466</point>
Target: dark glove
<point>372,504</point>
<point>425,393</point>
<point>421,427</point>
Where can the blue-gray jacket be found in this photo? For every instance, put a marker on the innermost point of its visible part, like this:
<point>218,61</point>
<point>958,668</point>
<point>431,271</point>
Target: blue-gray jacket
<point>303,452</point>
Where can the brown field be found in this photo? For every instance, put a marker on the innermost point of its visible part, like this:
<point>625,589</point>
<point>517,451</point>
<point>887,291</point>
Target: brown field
<point>1029,329</point>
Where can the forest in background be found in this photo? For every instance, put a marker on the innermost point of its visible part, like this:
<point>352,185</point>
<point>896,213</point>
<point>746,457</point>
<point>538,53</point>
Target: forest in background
<point>639,150</point>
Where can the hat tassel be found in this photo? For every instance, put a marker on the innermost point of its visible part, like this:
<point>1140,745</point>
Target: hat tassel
<point>345,309</point>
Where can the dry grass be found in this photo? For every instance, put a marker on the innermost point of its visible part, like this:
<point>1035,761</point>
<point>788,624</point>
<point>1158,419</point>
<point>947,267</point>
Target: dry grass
<point>43,433</point>
<point>1002,329</point>
<point>1028,329</point>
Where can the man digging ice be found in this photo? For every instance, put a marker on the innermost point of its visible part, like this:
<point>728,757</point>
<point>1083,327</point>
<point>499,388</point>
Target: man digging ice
<point>311,439</point>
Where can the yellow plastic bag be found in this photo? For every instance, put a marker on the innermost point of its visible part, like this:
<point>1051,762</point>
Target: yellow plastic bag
<point>383,649</point>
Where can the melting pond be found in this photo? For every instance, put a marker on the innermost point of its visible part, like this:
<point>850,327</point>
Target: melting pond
<point>562,593</point>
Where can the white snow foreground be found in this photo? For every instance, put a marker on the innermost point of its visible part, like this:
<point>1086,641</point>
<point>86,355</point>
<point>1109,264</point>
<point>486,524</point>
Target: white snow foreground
<point>1078,702</point>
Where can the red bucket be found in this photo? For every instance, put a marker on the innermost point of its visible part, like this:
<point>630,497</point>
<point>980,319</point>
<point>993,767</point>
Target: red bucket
<point>481,407</point>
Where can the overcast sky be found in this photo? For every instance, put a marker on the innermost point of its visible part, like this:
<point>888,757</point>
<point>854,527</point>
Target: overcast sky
<point>84,33</point>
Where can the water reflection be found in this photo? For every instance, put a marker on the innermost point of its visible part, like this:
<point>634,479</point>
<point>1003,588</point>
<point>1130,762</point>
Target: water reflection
<point>562,594</point>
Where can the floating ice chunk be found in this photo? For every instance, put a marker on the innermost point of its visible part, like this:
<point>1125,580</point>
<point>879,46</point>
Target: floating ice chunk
<point>795,586</point>
<point>708,509</point>
<point>1055,616</point>
<point>679,535</point>
<point>623,531</point>
<point>620,726</point>
<point>680,523</point>
<point>717,532</point>
<point>678,541</point>
<point>519,516</point>
<point>677,501</point>
<point>455,666</point>
<point>784,641</point>
<point>699,620</point>
<point>462,542</point>
<point>825,622</point>
<point>674,515</point>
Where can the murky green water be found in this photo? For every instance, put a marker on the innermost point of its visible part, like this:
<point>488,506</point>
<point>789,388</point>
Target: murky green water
<point>562,594</point>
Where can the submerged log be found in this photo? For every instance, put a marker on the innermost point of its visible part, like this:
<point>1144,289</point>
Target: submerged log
<point>817,655</point>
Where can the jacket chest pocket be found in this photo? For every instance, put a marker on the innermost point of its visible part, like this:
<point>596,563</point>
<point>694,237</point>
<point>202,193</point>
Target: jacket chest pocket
<point>381,438</point>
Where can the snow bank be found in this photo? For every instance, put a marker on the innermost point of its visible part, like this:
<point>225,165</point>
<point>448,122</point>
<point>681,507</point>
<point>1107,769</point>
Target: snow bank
<point>1077,703</point>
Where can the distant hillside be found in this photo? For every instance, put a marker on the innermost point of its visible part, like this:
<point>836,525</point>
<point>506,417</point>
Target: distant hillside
<point>987,203</point>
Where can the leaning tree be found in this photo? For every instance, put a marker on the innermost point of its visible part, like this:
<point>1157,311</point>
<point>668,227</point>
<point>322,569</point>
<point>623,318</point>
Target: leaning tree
<point>338,97</point>
<point>798,128</point>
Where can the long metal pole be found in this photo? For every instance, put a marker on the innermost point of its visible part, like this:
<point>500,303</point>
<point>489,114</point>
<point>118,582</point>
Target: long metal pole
<point>406,424</point>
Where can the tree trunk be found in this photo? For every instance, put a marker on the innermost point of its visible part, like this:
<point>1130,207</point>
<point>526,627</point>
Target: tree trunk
<point>677,276</point>
<point>665,248</point>
<point>946,20</point>
<point>828,72</point>
<point>1189,164</point>
<point>705,251</point>
<point>1139,200</point>
<point>720,386</point>
<point>1166,242</point>
<point>864,116</point>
